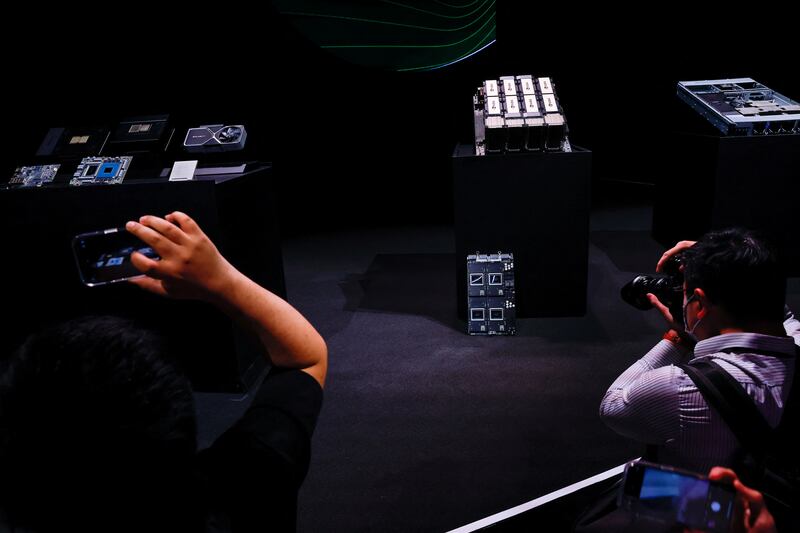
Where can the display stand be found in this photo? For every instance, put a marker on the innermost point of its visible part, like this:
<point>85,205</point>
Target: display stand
<point>712,182</point>
<point>536,206</point>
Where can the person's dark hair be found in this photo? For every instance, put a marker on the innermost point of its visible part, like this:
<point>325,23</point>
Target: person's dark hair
<point>95,426</point>
<point>739,271</point>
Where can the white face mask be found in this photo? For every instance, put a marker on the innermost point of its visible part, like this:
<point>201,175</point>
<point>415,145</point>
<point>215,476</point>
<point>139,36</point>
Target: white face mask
<point>690,332</point>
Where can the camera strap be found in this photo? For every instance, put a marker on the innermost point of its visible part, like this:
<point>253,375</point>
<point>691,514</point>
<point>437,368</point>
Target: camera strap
<point>776,469</point>
<point>727,396</point>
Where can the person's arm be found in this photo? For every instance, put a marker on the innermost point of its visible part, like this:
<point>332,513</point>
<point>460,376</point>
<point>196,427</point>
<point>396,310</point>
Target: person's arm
<point>192,267</point>
<point>675,332</point>
<point>643,402</point>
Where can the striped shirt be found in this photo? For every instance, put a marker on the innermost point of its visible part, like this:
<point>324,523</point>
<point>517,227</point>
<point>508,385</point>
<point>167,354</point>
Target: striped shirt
<point>655,402</point>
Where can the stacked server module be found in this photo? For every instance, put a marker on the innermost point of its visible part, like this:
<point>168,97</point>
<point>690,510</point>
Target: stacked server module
<point>519,113</point>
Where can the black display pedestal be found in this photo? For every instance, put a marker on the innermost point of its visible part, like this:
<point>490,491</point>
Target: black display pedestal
<point>712,182</point>
<point>536,206</point>
<point>42,286</point>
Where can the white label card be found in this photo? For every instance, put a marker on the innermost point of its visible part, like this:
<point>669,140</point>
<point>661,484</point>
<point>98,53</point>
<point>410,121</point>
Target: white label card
<point>527,86</point>
<point>512,104</point>
<point>493,106</point>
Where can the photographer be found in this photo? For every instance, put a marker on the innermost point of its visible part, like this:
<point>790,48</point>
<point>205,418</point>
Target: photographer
<point>98,430</point>
<point>733,308</point>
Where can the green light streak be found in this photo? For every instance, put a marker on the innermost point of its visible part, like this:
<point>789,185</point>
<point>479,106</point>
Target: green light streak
<point>458,7</point>
<point>480,43</point>
<point>436,14</point>
<point>372,21</point>
<point>346,46</point>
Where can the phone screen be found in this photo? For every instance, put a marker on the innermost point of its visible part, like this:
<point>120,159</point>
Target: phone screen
<point>679,497</point>
<point>105,256</point>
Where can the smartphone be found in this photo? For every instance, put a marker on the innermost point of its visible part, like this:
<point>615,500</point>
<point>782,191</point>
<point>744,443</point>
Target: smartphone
<point>104,256</point>
<point>676,496</point>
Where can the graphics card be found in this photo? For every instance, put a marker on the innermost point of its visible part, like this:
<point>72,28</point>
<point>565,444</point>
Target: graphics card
<point>215,138</point>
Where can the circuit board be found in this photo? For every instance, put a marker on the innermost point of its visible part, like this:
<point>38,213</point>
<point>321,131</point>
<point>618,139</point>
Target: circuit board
<point>490,294</point>
<point>101,170</point>
<point>34,176</point>
<point>73,142</point>
<point>141,135</point>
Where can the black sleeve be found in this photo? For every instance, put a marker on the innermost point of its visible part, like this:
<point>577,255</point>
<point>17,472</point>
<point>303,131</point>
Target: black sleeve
<point>256,467</point>
<point>292,392</point>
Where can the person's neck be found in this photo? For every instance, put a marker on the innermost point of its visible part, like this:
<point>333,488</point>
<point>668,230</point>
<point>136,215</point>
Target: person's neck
<point>761,327</point>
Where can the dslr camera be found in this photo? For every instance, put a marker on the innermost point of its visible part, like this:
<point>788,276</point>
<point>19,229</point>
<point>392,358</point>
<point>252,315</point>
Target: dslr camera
<point>668,287</point>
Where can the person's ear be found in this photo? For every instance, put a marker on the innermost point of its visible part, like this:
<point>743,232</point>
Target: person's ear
<point>702,301</point>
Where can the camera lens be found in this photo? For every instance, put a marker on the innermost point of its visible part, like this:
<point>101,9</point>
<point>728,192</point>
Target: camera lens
<point>667,287</point>
<point>635,292</point>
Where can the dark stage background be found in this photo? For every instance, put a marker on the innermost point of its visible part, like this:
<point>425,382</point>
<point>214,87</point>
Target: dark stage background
<point>361,146</point>
<point>424,428</point>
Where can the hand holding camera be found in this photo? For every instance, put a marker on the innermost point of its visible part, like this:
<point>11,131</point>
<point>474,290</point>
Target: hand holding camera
<point>671,264</point>
<point>673,252</point>
<point>663,291</point>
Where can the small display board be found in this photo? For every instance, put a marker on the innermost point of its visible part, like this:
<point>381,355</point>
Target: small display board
<point>490,294</point>
<point>34,176</point>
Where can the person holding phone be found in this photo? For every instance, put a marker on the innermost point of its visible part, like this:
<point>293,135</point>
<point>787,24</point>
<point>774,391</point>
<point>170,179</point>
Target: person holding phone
<point>98,430</point>
<point>660,497</point>
<point>663,498</point>
<point>752,514</point>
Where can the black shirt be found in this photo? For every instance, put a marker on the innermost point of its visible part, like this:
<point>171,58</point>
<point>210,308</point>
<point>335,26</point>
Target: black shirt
<point>254,470</point>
